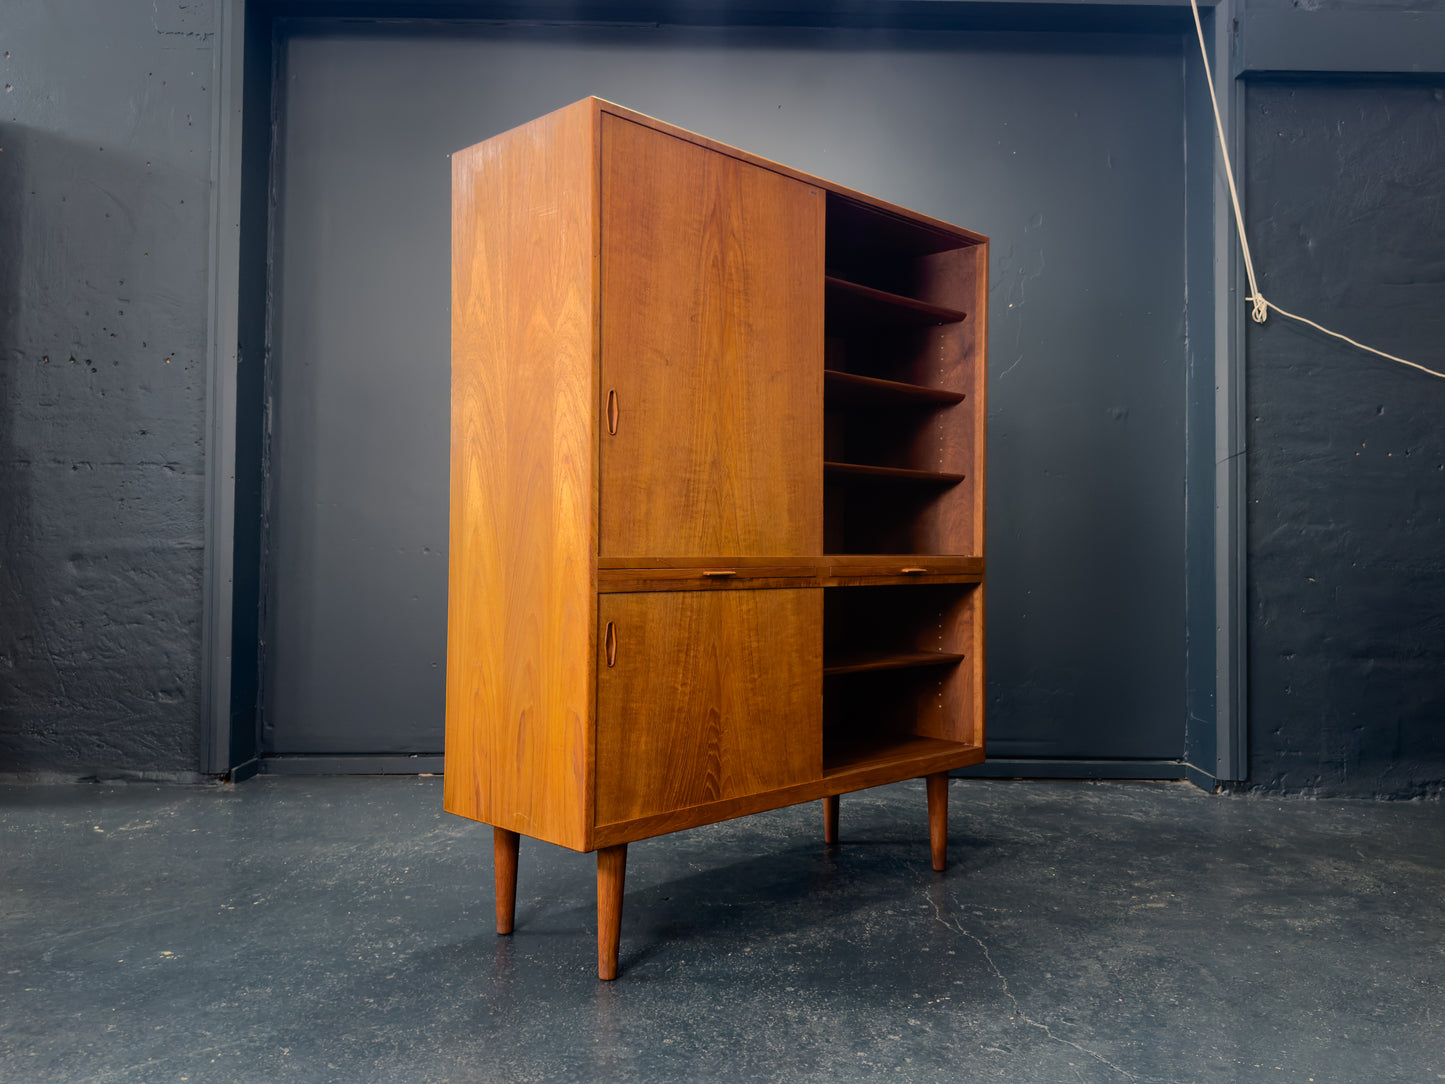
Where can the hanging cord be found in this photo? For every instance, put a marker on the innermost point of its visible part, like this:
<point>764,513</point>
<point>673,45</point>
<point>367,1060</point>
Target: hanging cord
<point>1260,312</point>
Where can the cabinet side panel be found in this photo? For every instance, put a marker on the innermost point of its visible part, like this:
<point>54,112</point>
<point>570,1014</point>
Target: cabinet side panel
<point>712,340</point>
<point>978,392</point>
<point>953,708</point>
<point>711,696</point>
<point>521,597</point>
<point>957,360</point>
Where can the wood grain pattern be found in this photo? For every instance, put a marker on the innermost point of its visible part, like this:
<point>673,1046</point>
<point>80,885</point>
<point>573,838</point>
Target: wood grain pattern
<point>715,695</point>
<point>872,392</point>
<point>937,785</point>
<point>712,291</point>
<point>964,698</point>
<point>871,767</point>
<point>803,565</point>
<point>505,848</point>
<point>955,712</point>
<point>894,756</point>
<point>937,273</point>
<point>855,302</point>
<point>977,379</point>
<point>893,565</point>
<point>958,443</point>
<point>912,219</point>
<point>856,571</point>
<point>861,472</point>
<point>641,322</point>
<point>877,580</point>
<point>862,662</point>
<point>521,601</point>
<point>611,879</point>
<point>872,707</point>
<point>713,577</point>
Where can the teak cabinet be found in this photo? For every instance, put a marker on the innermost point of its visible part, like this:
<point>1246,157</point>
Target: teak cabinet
<point>717,458</point>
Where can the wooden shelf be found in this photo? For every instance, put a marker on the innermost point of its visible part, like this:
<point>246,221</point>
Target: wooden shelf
<point>850,752</point>
<point>862,662</point>
<point>871,391</point>
<point>855,303</point>
<point>863,472</point>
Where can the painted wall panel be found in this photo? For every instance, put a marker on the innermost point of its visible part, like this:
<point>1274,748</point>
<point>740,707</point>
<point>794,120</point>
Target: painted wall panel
<point>1067,150</point>
<point>1346,214</point>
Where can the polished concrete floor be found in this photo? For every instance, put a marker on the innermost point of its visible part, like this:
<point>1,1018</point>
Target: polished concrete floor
<point>340,929</point>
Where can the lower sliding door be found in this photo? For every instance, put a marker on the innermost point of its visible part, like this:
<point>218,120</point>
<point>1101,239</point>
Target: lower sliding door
<point>704,696</point>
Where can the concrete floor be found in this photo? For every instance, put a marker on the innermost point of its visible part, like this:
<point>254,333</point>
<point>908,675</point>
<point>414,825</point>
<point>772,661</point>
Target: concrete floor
<point>340,929</point>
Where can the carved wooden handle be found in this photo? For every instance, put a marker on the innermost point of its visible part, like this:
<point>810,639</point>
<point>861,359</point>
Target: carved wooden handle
<point>612,412</point>
<point>913,571</point>
<point>719,572</point>
<point>611,642</point>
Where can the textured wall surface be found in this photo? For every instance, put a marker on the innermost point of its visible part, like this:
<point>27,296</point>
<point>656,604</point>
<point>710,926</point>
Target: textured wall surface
<point>1346,211</point>
<point>104,183</point>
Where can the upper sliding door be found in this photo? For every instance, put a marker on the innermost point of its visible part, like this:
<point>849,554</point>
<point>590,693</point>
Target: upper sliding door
<point>712,353</point>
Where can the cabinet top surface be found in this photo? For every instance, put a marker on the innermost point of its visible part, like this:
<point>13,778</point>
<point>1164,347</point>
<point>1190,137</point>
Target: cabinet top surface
<point>601,105</point>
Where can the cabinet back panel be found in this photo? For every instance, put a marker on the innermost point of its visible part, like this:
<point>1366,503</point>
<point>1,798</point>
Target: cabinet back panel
<point>712,295</point>
<point>894,254</point>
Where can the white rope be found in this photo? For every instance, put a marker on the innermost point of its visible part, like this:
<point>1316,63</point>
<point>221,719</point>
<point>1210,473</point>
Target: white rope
<point>1260,312</point>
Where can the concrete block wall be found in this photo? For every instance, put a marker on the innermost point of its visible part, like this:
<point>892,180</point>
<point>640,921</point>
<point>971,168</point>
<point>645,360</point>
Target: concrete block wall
<point>105,124</point>
<point>1346,465</point>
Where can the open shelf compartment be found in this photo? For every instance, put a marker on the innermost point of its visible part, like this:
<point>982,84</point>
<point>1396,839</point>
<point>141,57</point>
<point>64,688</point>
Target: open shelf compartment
<point>901,297</point>
<point>872,247</point>
<point>874,516</point>
<point>900,672</point>
<point>903,384</point>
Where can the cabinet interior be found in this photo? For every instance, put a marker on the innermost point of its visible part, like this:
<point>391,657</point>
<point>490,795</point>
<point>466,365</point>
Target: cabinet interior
<point>900,369</point>
<point>898,671</point>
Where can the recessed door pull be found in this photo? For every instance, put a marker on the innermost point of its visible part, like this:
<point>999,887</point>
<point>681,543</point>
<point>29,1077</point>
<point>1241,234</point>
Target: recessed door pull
<point>719,572</point>
<point>913,571</point>
<point>612,412</point>
<point>611,642</point>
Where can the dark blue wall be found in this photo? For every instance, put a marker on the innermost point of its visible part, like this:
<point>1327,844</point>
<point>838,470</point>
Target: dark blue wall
<point>1086,405</point>
<point>1346,468</point>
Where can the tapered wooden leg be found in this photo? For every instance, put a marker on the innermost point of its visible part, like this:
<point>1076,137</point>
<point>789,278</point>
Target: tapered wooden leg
<point>938,819</point>
<point>611,872</point>
<point>504,861</point>
<point>830,819</point>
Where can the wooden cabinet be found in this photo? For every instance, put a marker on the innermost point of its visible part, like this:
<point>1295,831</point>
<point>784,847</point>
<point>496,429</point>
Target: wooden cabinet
<point>716,492</point>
